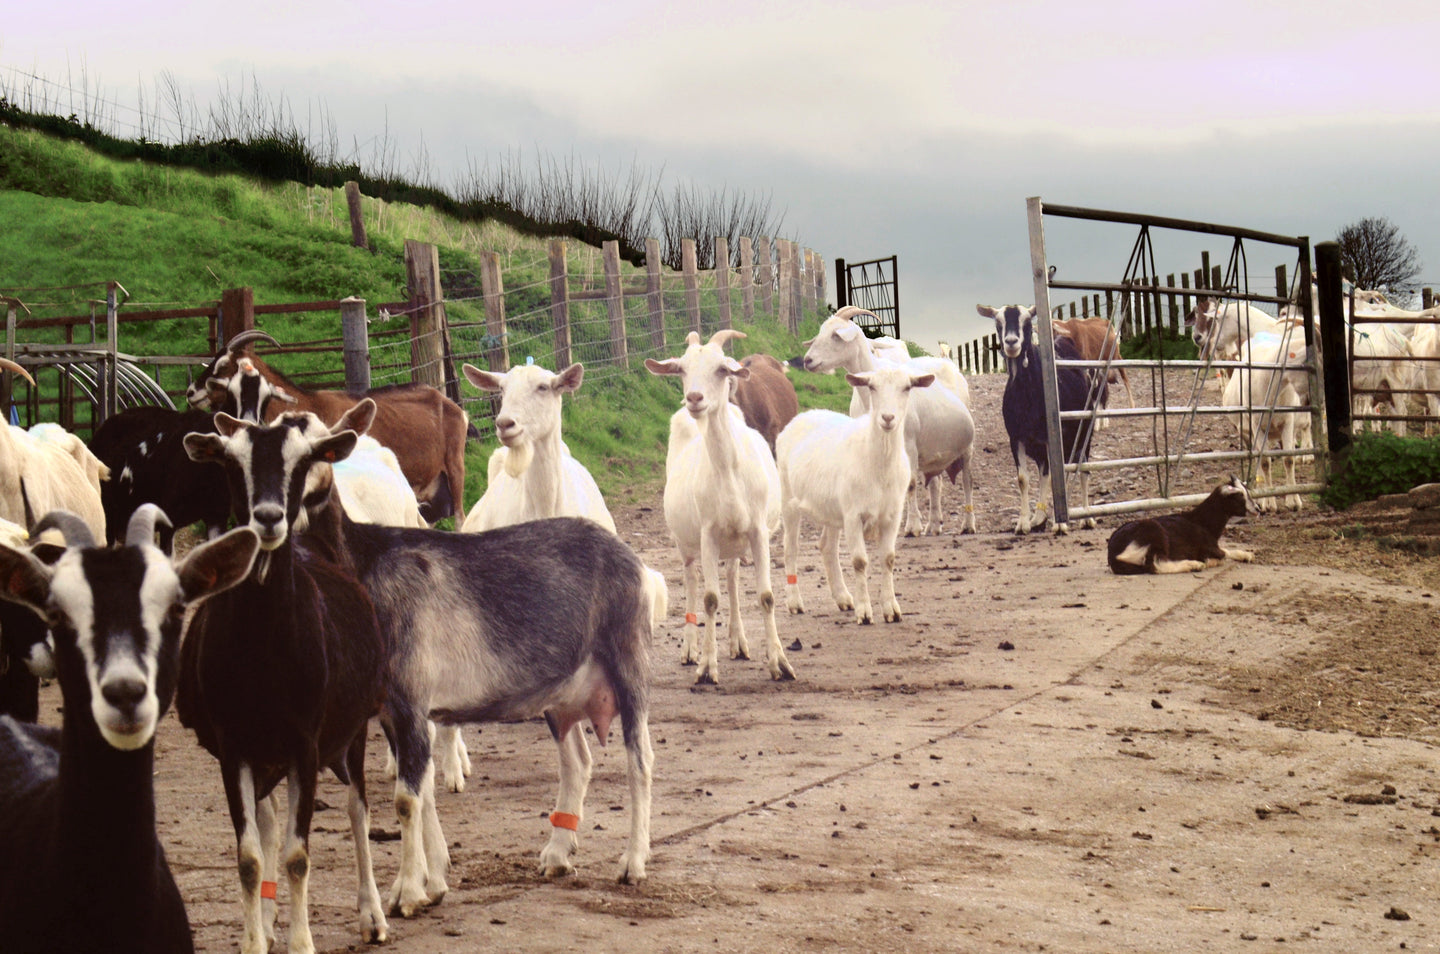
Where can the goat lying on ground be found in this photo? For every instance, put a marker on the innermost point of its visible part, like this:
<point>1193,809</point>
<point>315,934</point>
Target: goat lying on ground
<point>1181,542</point>
<point>80,867</point>
<point>850,474</point>
<point>1023,406</point>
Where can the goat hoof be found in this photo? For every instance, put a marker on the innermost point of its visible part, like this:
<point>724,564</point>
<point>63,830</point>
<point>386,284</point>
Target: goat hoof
<point>783,672</point>
<point>741,654</point>
<point>688,662</point>
<point>705,678</point>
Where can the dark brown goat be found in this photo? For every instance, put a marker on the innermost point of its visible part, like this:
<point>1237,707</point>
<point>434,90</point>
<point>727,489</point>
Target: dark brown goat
<point>1181,542</point>
<point>425,429</point>
<point>766,398</point>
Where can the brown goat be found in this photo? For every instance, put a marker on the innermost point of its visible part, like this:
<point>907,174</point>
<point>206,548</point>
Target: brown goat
<point>766,398</point>
<point>1096,341</point>
<point>425,429</point>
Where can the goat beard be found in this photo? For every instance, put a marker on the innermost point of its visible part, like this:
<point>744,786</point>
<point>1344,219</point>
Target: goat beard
<point>518,459</point>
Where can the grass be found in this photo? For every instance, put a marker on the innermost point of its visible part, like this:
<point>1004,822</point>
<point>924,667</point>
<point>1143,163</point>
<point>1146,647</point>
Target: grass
<point>177,238</point>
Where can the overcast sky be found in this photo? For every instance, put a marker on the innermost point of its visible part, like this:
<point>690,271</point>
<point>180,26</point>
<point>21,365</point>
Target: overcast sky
<point>912,129</point>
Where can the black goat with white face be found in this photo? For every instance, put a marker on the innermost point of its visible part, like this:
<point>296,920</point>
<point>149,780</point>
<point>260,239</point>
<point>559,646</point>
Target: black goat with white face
<point>1023,407</point>
<point>280,676</point>
<point>80,866</point>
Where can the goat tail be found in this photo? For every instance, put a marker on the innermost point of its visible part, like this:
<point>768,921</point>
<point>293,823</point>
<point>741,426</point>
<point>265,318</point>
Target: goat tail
<point>657,595</point>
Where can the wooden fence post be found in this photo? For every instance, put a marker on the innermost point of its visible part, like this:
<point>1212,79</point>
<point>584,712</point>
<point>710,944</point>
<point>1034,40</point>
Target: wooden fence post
<point>766,278</point>
<point>690,272</point>
<point>237,314</point>
<point>722,279</point>
<point>1205,271</point>
<point>796,288</point>
<point>747,277</point>
<point>355,335</point>
<point>615,304</point>
<point>821,280</point>
<point>357,220</point>
<point>1174,306</point>
<point>1427,298</point>
<point>492,290</point>
<point>787,253</point>
<point>655,295</point>
<point>427,346</point>
<point>1184,298</point>
<point>560,302</point>
<point>806,257</point>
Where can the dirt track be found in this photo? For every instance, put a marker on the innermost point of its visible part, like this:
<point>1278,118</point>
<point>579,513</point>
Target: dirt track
<point>1041,756</point>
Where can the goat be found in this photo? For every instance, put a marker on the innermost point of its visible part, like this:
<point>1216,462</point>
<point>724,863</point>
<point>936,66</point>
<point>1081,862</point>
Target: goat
<point>463,612</point>
<point>1096,340</point>
<point>280,675</point>
<point>850,474</point>
<point>939,429</point>
<point>1023,407</point>
<point>426,430</point>
<point>25,655</point>
<point>722,500</point>
<point>766,398</point>
<point>81,868</point>
<point>1219,329</point>
<point>144,447</point>
<point>1181,542</point>
<point>39,474</point>
<point>1382,364</point>
<point>1263,392</point>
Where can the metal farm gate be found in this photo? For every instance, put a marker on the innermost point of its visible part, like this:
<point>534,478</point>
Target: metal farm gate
<point>874,286</point>
<point>1193,442</point>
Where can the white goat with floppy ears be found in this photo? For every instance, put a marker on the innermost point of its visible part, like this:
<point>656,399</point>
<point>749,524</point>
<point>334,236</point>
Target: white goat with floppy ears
<point>851,474</point>
<point>722,499</point>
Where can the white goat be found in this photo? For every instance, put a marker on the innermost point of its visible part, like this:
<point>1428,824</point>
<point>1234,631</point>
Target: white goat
<point>373,488</point>
<point>1382,361</point>
<point>850,474</point>
<point>51,470</point>
<point>1220,329</point>
<point>939,430</point>
<point>1257,390</point>
<point>722,500</point>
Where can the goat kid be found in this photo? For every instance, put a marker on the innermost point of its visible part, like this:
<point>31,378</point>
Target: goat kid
<point>81,868</point>
<point>850,474</point>
<point>280,676</point>
<point>1181,542</point>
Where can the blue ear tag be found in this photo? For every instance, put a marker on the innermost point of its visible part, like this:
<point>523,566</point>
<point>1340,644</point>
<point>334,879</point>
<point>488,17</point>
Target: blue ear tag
<point>14,415</point>
<point>529,359</point>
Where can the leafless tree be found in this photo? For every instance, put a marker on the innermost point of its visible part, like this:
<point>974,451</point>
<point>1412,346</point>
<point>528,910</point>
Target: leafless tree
<point>1379,256</point>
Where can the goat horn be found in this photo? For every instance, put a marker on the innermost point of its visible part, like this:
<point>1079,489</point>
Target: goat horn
<point>9,365</point>
<point>720,337</point>
<point>850,311</point>
<point>141,531</point>
<point>75,531</point>
<point>240,341</point>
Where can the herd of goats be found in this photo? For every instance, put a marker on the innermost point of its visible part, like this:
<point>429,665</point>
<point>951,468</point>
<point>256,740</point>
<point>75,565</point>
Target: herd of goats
<point>333,602</point>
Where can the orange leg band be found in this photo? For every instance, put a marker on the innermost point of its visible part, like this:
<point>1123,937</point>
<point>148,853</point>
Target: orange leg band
<point>565,820</point>
<point>792,579</point>
<point>267,890</point>
<point>691,619</point>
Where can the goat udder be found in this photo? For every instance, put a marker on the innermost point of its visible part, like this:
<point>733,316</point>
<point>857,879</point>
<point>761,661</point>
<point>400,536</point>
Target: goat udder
<point>599,708</point>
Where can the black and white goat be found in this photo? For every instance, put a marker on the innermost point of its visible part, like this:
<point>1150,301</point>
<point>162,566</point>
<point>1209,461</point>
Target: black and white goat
<point>280,676</point>
<point>548,617</point>
<point>24,648</point>
<point>1181,542</point>
<point>145,450</point>
<point>80,866</point>
<point>1024,410</point>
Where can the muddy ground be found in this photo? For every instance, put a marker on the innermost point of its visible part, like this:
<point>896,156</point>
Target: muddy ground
<point>1041,756</point>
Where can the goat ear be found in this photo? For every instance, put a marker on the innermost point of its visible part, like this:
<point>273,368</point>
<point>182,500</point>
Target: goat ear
<point>205,448</point>
<point>668,366</point>
<point>484,380</point>
<point>849,332</point>
<point>358,419</point>
<point>569,379</point>
<point>921,380</point>
<point>228,426</point>
<point>861,380</point>
<point>218,564</point>
<point>283,395</point>
<point>24,580</point>
<point>336,447</point>
<point>986,311</point>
